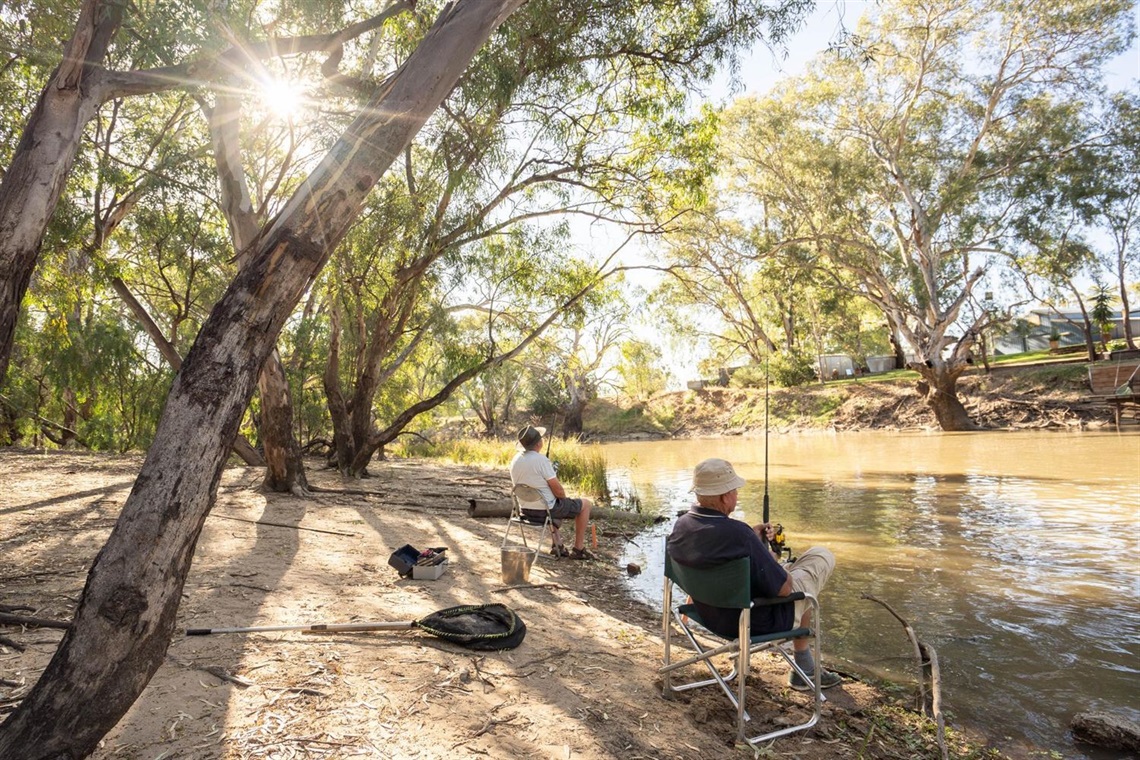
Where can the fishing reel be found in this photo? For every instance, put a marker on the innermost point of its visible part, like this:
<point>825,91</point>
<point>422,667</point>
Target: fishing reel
<point>778,542</point>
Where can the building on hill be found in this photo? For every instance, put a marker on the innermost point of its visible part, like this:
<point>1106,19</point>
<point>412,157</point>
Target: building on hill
<point>1038,325</point>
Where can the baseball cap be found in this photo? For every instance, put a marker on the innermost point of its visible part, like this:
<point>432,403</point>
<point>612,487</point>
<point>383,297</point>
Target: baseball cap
<point>713,477</point>
<point>530,435</point>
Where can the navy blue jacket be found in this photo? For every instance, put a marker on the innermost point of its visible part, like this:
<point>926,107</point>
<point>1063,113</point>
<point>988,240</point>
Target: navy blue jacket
<point>706,538</point>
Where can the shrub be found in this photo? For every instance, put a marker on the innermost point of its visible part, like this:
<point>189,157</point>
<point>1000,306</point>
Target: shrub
<point>751,376</point>
<point>791,368</point>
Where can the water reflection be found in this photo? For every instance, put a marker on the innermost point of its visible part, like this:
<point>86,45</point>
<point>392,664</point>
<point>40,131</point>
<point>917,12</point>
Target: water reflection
<point>1013,554</point>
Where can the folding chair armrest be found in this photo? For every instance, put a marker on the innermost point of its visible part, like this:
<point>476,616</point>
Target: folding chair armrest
<point>795,596</point>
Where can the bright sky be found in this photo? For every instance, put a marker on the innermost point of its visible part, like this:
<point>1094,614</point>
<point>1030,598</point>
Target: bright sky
<point>760,70</point>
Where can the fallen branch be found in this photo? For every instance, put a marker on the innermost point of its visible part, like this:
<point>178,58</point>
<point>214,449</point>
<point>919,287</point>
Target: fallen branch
<point>16,608</point>
<point>529,585</point>
<point>917,650</point>
<point>287,525</point>
<point>32,622</point>
<point>921,648</point>
<point>5,641</point>
<point>215,671</point>
<point>936,697</point>
<point>38,573</point>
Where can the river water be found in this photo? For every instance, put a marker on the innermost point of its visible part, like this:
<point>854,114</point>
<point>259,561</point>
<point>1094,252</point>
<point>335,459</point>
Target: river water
<point>1016,555</point>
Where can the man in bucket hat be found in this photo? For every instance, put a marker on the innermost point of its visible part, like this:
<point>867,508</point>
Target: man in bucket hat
<point>705,536</point>
<point>531,467</point>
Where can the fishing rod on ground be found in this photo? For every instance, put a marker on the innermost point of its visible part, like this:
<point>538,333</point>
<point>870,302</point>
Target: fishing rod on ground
<point>778,542</point>
<point>474,626</point>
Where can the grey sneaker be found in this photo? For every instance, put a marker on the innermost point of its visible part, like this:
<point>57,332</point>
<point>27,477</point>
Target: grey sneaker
<point>827,679</point>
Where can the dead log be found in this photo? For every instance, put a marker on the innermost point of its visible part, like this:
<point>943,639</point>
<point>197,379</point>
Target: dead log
<point>502,508</point>
<point>7,642</point>
<point>489,507</point>
<point>32,622</point>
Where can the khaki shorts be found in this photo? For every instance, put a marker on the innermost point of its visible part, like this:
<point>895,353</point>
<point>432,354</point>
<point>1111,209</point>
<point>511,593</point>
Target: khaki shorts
<point>809,573</point>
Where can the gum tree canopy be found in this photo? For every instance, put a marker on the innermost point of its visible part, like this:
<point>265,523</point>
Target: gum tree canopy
<point>126,614</point>
<point>895,161</point>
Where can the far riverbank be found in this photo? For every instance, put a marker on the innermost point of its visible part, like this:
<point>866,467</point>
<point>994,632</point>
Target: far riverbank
<point>1040,396</point>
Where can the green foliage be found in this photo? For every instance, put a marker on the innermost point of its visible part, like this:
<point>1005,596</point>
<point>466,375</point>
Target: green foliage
<point>581,469</point>
<point>1074,376</point>
<point>640,369</point>
<point>791,368</point>
<point>891,195</point>
<point>1101,311</point>
<point>750,376</point>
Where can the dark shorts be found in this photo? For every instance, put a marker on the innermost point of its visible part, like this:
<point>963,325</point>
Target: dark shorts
<point>565,509</point>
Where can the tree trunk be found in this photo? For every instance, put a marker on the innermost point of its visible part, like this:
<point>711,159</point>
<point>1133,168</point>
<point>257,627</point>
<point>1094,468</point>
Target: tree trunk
<point>572,420</point>
<point>127,612</point>
<point>339,413</point>
<point>284,465</point>
<point>941,390</point>
<point>1129,339</point>
<point>34,181</point>
<point>896,349</point>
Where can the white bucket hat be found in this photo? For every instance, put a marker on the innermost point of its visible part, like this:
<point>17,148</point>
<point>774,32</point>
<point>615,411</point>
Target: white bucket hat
<point>713,477</point>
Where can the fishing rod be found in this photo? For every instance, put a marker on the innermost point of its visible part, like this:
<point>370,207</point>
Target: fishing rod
<point>474,626</point>
<point>779,540</point>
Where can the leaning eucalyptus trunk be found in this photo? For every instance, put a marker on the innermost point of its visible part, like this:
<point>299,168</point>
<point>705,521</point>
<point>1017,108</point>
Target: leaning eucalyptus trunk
<point>128,609</point>
<point>34,180</point>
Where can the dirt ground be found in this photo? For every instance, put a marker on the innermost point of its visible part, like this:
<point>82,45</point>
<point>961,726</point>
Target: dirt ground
<point>582,685</point>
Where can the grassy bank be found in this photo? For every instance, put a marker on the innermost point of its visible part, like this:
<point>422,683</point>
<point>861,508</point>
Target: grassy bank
<point>581,468</point>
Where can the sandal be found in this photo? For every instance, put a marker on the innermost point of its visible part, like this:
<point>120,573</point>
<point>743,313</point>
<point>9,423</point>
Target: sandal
<point>582,553</point>
<point>559,551</point>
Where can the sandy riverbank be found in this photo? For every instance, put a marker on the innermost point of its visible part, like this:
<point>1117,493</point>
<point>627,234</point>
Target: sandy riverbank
<point>582,685</point>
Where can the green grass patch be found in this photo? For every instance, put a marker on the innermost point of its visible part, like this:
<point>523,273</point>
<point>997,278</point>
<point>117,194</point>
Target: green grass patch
<point>607,418</point>
<point>1028,356</point>
<point>819,406</point>
<point>1057,375</point>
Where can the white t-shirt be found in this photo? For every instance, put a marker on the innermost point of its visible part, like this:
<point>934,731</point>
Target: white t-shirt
<point>533,469</point>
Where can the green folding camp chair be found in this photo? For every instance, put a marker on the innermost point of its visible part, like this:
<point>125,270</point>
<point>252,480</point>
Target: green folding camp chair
<point>727,586</point>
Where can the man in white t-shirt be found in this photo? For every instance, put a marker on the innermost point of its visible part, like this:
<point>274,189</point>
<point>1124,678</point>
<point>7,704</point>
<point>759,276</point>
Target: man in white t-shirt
<point>531,467</point>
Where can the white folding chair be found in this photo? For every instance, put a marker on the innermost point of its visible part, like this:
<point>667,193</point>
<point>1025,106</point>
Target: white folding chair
<point>530,511</point>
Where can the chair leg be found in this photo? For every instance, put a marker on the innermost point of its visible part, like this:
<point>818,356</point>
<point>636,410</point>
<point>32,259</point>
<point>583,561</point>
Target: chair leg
<point>667,637</point>
<point>817,691</point>
<point>705,656</point>
<point>516,522</point>
<point>744,656</point>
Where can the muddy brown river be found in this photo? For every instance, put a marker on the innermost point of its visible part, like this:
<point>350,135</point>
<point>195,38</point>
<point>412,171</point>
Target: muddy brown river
<point>1015,554</point>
